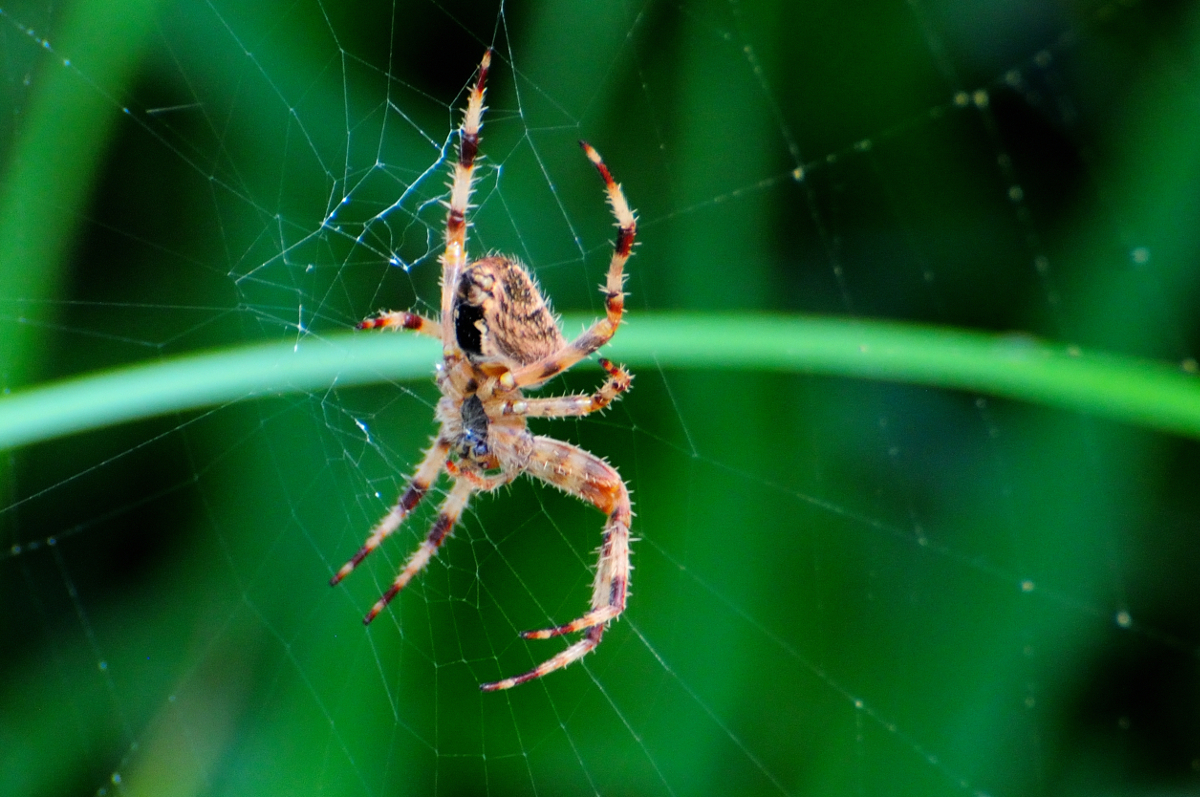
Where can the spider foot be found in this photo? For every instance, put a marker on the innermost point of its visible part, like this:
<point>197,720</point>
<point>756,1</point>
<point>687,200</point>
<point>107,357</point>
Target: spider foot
<point>577,651</point>
<point>350,565</point>
<point>382,603</point>
<point>593,618</point>
<point>420,558</point>
<point>391,521</point>
<point>416,563</point>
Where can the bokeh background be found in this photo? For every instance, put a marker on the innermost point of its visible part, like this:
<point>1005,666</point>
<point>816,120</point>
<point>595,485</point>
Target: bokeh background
<point>840,586</point>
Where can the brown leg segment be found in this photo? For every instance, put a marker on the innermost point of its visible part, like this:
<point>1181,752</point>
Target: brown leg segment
<point>391,319</point>
<point>614,297</point>
<point>454,258</point>
<point>427,472</point>
<point>448,515</point>
<point>577,472</point>
<point>619,380</point>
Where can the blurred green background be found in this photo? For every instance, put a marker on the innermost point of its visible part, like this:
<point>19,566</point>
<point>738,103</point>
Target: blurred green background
<point>840,586</point>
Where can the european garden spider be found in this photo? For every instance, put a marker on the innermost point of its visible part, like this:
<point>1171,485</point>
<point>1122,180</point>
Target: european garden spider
<point>499,337</point>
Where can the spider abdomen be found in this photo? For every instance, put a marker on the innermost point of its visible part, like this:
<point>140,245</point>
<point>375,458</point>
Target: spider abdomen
<point>501,314</point>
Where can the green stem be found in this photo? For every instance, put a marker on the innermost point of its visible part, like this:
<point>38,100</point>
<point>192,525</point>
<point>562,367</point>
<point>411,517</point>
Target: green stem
<point>1135,391</point>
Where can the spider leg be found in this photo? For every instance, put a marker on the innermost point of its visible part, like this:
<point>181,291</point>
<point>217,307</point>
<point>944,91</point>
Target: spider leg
<point>577,472</point>
<point>427,472</point>
<point>454,259</point>
<point>482,482</point>
<point>448,514</point>
<point>619,380</point>
<point>614,297</point>
<point>391,319</point>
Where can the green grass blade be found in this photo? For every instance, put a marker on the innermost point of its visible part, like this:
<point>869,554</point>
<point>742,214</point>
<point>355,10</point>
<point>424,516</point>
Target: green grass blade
<point>1135,391</point>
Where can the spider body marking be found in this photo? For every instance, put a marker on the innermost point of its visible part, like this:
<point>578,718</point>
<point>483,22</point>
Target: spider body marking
<point>500,338</point>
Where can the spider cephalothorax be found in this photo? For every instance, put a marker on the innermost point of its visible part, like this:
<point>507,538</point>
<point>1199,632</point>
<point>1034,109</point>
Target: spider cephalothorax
<point>499,338</point>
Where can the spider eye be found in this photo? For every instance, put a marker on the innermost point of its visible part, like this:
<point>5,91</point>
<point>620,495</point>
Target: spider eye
<point>474,446</point>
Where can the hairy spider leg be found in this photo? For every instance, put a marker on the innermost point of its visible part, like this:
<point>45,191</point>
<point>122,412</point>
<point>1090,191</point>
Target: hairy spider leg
<point>454,259</point>
<point>481,482</point>
<point>418,486</point>
<point>587,476</point>
<point>448,514</point>
<point>591,639</point>
<point>619,380</point>
<point>402,319</point>
<point>614,297</point>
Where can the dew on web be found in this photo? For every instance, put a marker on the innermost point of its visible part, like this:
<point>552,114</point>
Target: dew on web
<point>840,585</point>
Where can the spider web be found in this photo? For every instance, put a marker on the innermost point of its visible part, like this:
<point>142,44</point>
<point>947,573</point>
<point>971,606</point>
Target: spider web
<point>839,586</point>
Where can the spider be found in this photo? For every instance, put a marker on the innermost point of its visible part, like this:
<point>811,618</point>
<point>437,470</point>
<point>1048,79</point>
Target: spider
<point>499,338</point>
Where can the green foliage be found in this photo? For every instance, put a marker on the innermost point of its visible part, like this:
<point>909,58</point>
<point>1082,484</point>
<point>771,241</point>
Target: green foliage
<point>1012,366</point>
